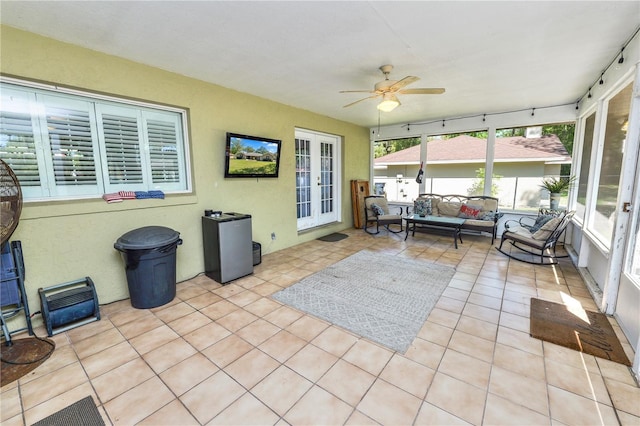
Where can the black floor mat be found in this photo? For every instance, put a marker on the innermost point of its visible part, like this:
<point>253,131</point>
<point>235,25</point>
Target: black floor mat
<point>81,413</point>
<point>332,238</point>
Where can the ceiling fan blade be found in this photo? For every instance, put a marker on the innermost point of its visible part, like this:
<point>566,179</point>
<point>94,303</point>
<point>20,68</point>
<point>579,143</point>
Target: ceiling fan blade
<point>404,82</point>
<point>357,91</point>
<point>430,91</point>
<point>364,99</point>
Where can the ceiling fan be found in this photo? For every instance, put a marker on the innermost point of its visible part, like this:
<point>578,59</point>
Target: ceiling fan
<point>388,89</point>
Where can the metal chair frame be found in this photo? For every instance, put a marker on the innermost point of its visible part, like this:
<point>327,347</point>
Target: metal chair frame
<point>543,250</point>
<point>385,220</point>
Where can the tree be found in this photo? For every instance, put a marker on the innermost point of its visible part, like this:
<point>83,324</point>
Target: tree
<point>478,185</point>
<point>565,132</point>
<point>382,148</point>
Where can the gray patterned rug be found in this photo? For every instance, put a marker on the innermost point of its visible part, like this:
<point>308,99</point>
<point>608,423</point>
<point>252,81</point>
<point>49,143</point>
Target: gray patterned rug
<point>384,298</point>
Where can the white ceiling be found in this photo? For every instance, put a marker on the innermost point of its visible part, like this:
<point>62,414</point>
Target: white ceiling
<point>490,56</point>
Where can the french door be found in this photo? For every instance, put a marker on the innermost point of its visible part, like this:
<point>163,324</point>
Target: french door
<point>317,178</point>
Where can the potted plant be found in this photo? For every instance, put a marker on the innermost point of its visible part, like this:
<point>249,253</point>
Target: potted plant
<point>556,187</point>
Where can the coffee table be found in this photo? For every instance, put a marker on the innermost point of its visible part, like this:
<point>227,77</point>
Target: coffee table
<point>434,223</point>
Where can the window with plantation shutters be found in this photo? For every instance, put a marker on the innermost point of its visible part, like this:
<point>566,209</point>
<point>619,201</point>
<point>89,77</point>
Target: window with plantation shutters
<point>17,141</point>
<point>163,151</point>
<point>71,146</point>
<point>65,145</point>
<point>123,149</point>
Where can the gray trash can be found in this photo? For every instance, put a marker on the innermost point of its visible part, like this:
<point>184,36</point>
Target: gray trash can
<point>149,254</point>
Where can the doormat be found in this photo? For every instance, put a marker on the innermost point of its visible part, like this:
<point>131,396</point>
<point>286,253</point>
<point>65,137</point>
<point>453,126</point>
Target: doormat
<point>81,413</point>
<point>23,356</point>
<point>382,297</point>
<point>584,331</point>
<point>332,238</point>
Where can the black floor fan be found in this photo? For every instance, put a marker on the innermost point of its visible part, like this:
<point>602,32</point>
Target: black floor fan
<point>13,299</point>
<point>22,355</point>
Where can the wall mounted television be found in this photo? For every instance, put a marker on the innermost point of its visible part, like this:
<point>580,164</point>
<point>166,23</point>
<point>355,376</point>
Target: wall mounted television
<point>251,157</point>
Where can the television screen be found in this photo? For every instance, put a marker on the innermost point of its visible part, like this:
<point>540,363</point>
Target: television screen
<point>251,156</point>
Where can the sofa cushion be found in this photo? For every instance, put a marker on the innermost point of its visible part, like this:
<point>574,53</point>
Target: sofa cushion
<point>448,208</point>
<point>478,223</point>
<point>490,205</point>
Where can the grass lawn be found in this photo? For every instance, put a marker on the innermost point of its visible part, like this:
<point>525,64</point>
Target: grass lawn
<point>247,167</point>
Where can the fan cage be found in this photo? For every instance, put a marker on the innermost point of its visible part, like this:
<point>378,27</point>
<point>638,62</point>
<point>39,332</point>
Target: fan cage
<point>10,201</point>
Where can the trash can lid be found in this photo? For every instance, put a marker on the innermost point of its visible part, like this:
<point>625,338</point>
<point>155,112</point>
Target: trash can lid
<point>147,237</point>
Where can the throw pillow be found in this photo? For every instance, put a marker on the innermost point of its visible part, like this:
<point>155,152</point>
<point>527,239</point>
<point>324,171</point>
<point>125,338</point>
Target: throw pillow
<point>540,221</point>
<point>422,206</point>
<point>490,215</point>
<point>467,212</point>
<point>377,210</point>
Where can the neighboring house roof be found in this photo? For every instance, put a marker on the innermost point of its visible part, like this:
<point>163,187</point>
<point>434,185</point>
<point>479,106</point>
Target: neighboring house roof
<point>468,149</point>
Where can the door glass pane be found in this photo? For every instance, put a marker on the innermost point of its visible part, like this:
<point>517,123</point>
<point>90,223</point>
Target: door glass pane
<point>585,164</point>
<point>614,140</point>
<point>303,178</point>
<point>326,177</point>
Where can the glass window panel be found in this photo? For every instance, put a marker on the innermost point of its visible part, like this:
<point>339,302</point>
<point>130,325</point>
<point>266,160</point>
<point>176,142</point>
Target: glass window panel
<point>585,164</point>
<point>603,219</point>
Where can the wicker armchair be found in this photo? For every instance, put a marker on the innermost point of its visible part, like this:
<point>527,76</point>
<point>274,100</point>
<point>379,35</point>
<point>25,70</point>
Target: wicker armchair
<point>376,210</point>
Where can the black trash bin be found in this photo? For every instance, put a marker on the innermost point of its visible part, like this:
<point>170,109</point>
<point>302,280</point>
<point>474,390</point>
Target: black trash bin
<point>149,254</point>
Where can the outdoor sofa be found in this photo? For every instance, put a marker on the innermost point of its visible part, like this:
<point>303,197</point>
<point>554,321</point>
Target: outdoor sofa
<point>480,212</point>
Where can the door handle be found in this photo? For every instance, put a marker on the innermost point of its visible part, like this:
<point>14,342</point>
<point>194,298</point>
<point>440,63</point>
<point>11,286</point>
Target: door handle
<point>626,207</point>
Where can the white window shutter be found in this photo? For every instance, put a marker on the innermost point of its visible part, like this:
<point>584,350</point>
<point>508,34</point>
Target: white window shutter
<point>122,146</point>
<point>17,139</point>
<point>71,146</point>
<point>18,147</point>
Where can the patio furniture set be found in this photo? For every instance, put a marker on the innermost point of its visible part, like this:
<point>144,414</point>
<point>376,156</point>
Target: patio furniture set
<point>453,214</point>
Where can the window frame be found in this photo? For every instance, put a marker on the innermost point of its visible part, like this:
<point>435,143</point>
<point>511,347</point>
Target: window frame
<point>145,111</point>
<point>602,116</point>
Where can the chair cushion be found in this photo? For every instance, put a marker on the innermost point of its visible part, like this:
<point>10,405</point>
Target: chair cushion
<point>526,240</point>
<point>540,221</point>
<point>547,229</point>
<point>390,217</point>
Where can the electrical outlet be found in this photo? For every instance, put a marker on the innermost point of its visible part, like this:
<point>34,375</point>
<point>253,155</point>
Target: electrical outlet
<point>273,235</point>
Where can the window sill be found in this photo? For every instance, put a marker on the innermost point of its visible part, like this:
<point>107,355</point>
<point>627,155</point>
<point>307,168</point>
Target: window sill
<point>46,209</point>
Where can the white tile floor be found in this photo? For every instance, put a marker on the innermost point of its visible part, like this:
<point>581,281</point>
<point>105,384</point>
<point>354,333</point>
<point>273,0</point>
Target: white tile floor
<point>232,355</point>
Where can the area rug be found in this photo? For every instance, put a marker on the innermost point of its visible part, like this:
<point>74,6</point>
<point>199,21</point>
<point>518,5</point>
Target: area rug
<point>382,297</point>
<point>23,356</point>
<point>584,331</point>
<point>80,413</point>
<point>332,238</point>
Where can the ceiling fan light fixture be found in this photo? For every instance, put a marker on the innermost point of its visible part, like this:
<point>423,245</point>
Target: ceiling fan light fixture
<point>389,102</point>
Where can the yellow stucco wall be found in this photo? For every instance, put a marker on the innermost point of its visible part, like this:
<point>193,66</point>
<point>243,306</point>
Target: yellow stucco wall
<point>64,241</point>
